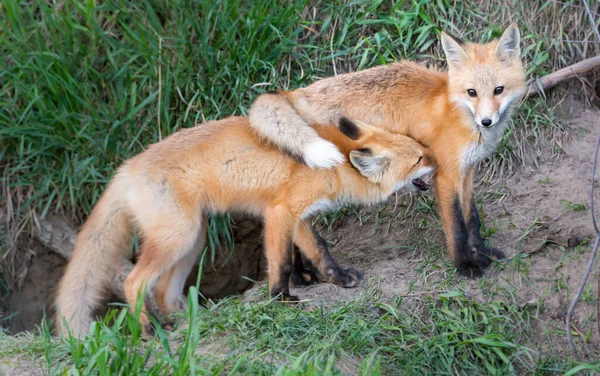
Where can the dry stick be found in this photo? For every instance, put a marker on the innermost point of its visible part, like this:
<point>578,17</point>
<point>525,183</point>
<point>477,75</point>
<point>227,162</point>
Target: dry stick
<point>590,263</point>
<point>540,85</point>
<point>57,235</point>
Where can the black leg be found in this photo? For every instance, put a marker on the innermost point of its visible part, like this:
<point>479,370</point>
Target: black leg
<point>303,272</point>
<point>282,288</point>
<point>477,245</point>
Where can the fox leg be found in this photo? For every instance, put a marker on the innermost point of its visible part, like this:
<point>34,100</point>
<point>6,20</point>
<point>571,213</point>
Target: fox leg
<point>302,269</point>
<point>169,294</point>
<point>448,192</point>
<point>279,228</point>
<point>163,247</point>
<point>314,247</point>
<point>472,222</point>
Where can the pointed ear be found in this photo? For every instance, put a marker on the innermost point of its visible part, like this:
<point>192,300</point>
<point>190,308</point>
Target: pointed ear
<point>509,44</point>
<point>455,53</point>
<point>369,165</point>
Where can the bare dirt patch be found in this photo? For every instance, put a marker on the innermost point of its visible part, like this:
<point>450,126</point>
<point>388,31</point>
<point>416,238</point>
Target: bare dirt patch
<point>35,298</point>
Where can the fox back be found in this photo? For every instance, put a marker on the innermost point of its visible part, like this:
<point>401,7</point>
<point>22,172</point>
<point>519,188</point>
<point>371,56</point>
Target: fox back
<point>224,165</point>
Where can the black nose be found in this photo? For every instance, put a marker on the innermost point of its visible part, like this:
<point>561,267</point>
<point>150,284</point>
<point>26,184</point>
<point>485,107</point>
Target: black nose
<point>486,122</point>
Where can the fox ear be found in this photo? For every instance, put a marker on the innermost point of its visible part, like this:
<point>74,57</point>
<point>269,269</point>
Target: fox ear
<point>455,53</point>
<point>509,44</point>
<point>369,165</point>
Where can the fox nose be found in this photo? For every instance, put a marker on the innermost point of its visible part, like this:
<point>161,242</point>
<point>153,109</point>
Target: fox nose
<point>486,122</point>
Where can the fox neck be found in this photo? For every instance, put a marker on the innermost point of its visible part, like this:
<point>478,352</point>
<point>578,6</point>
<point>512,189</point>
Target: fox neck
<point>355,188</point>
<point>347,186</point>
<point>476,141</point>
<point>487,140</point>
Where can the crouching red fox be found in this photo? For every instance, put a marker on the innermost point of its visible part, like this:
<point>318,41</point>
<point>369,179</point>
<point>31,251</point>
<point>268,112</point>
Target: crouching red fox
<point>166,193</point>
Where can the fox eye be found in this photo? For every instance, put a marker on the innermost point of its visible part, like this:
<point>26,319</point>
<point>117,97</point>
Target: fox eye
<point>472,93</point>
<point>419,161</point>
<point>499,90</point>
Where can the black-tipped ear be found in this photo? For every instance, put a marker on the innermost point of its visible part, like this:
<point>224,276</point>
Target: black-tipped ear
<point>348,128</point>
<point>509,44</point>
<point>452,46</point>
<point>369,165</point>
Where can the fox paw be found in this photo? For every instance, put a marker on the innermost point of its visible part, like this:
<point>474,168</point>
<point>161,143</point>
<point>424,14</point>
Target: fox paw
<point>473,271</point>
<point>494,253</point>
<point>149,330</point>
<point>345,277</point>
<point>287,298</point>
<point>480,259</point>
<point>484,256</point>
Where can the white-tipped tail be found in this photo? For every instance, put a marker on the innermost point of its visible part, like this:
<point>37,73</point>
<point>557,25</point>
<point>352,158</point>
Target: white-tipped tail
<point>100,247</point>
<point>321,153</point>
<point>275,119</point>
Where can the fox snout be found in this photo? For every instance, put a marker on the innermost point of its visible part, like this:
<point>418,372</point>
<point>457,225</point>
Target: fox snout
<point>421,179</point>
<point>487,112</point>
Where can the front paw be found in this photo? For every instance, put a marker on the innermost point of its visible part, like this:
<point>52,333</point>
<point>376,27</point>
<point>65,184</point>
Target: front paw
<point>344,277</point>
<point>470,270</point>
<point>287,298</point>
<point>495,254</point>
<point>476,260</point>
<point>484,256</point>
<point>149,329</point>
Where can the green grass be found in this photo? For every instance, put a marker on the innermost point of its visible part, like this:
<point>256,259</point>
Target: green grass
<point>369,336</point>
<point>84,85</point>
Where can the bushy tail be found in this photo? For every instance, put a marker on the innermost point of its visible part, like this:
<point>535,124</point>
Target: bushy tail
<point>275,119</point>
<point>100,248</point>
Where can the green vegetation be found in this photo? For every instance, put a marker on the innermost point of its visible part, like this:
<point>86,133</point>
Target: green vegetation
<point>439,333</point>
<point>86,84</point>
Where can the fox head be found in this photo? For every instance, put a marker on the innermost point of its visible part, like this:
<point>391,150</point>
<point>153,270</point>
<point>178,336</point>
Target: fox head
<point>487,80</point>
<point>390,160</point>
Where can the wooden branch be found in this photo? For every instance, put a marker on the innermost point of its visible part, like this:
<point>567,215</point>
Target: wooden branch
<point>58,235</point>
<point>539,85</point>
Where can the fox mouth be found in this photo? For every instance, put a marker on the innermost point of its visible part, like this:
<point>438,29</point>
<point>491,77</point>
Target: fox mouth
<point>420,184</point>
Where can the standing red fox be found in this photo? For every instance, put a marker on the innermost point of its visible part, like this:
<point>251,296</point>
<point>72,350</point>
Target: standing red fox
<point>166,192</point>
<point>460,115</point>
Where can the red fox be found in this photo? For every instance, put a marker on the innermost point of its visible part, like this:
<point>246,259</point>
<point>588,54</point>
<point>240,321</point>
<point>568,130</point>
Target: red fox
<point>460,115</point>
<point>167,191</point>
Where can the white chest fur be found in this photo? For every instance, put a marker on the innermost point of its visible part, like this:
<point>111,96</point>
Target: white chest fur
<point>484,147</point>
